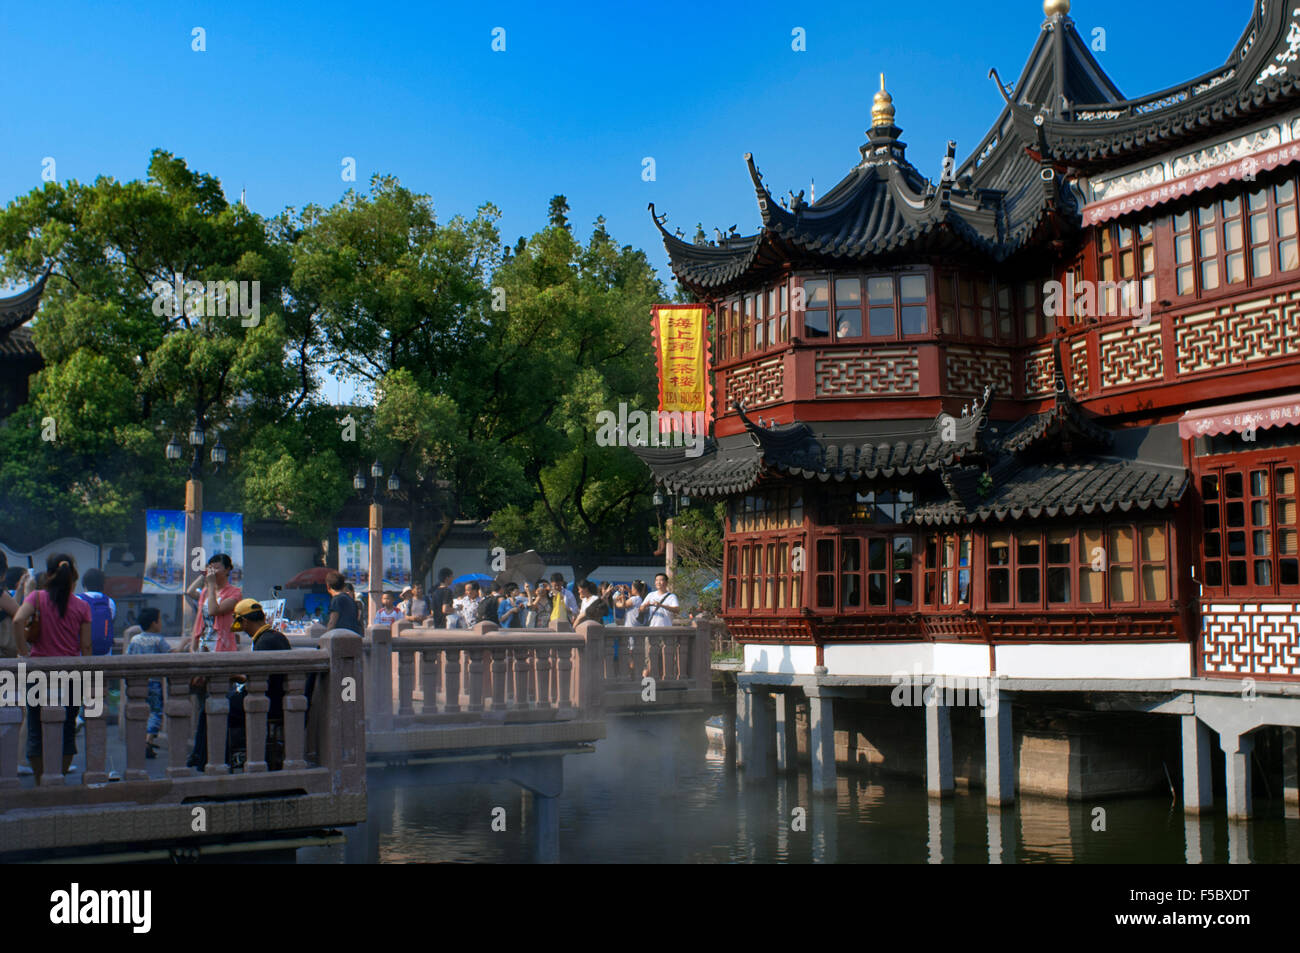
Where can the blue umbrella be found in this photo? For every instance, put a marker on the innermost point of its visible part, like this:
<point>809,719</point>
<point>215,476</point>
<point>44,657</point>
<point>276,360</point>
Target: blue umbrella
<point>471,577</point>
<point>716,584</point>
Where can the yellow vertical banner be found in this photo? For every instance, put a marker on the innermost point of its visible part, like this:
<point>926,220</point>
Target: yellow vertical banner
<point>681,343</point>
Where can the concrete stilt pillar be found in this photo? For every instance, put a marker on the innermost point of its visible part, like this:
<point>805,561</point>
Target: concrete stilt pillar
<point>1290,773</point>
<point>1236,763</point>
<point>784,728</point>
<point>999,752</point>
<point>546,829</point>
<point>1241,847</point>
<point>1197,836</point>
<point>742,725</point>
<point>826,833</point>
<point>1002,846</point>
<point>1198,796</point>
<point>757,759</point>
<point>821,745</point>
<point>942,831</point>
<point>729,734</point>
<point>938,744</point>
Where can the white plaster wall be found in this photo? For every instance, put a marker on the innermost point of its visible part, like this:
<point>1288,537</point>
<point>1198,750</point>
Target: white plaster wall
<point>1095,661</point>
<point>883,659</point>
<point>782,659</point>
<point>952,658</point>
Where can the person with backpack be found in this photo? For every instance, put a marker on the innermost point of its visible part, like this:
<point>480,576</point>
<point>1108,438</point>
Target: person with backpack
<point>103,612</point>
<point>64,631</point>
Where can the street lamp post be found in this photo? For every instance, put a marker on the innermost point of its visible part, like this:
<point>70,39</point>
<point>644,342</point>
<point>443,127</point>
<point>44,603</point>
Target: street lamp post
<point>677,505</point>
<point>193,506</point>
<point>375,585</point>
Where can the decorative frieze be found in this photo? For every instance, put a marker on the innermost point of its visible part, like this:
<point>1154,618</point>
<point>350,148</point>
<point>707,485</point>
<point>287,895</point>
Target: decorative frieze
<point>1131,355</point>
<point>868,372</point>
<point>1040,371</point>
<point>1079,365</point>
<point>757,384</point>
<point>1251,639</point>
<point>1242,333</point>
<point>970,370</point>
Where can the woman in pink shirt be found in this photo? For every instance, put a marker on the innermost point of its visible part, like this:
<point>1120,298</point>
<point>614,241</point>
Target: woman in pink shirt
<point>65,631</point>
<point>216,599</point>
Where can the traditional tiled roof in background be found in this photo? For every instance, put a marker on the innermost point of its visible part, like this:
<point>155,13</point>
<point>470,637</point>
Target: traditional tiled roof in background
<point>18,345</point>
<point>1259,78</point>
<point>1087,486</point>
<point>17,310</point>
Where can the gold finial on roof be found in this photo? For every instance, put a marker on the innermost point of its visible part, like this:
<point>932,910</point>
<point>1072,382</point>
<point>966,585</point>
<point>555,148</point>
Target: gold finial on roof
<point>1052,7</point>
<point>882,106</point>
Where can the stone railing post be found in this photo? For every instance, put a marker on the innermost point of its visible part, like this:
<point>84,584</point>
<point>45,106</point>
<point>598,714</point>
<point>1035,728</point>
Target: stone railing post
<point>702,654</point>
<point>343,696</point>
<point>591,680</point>
<point>179,708</point>
<point>135,699</point>
<point>379,693</point>
<point>257,706</point>
<point>11,721</point>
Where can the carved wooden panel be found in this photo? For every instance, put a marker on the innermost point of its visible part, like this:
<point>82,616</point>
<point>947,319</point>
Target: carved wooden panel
<point>1079,365</point>
<point>1040,372</point>
<point>757,384</point>
<point>970,370</point>
<point>1241,333</point>
<point>1251,639</point>
<point>864,373</point>
<point>1131,355</point>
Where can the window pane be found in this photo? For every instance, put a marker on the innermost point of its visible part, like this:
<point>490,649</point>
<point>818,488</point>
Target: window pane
<point>1284,192</point>
<point>1028,580</point>
<point>1233,484</point>
<point>877,589</point>
<point>915,319</point>
<point>880,290</point>
<point>877,554</point>
<point>850,591</point>
<point>911,289</point>
<point>1259,231</point>
<point>1182,221</point>
<point>848,291</point>
<point>848,324</point>
<point>1286,222</point>
<point>1288,255</point>
<point>882,322</point>
<point>1000,548</point>
<point>1090,585</point>
<point>1186,281</point>
<point>1121,584</point>
<point>999,586</point>
<point>1059,545</point>
<point>1206,216</point>
<point>1155,583</point>
<point>825,591</point>
<point>1214,574</point>
<point>1058,584</point>
<point>1261,261</point>
<point>1234,267</point>
<point>1183,249</point>
<point>814,290</point>
<point>851,555</point>
<point>1121,544</point>
<point>1209,275</point>
<point>903,589</point>
<point>814,324</point>
<point>825,555</point>
<point>1028,545</point>
<point>1153,543</point>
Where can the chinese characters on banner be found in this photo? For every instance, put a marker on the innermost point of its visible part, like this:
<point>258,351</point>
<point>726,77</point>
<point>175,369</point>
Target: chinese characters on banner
<point>680,334</point>
<point>224,533</point>
<point>164,562</point>
<point>354,558</point>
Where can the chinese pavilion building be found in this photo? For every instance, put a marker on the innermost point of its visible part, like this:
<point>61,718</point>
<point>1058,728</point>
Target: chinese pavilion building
<point>1038,421</point>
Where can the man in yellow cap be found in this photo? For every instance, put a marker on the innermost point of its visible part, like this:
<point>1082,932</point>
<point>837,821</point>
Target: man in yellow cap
<point>249,618</point>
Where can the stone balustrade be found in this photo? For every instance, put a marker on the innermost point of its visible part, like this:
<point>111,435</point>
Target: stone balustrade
<point>324,754</point>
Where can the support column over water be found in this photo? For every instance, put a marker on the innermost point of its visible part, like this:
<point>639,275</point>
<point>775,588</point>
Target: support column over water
<point>784,726</point>
<point>999,750</point>
<point>1290,773</point>
<point>821,746</point>
<point>1236,765</point>
<point>546,828</point>
<point>757,759</point>
<point>1198,796</point>
<point>743,699</point>
<point>938,743</point>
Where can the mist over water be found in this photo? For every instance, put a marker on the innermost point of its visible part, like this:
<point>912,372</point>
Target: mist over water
<point>623,804</point>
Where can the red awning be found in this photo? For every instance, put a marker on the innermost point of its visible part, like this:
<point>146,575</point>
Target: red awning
<point>1243,169</point>
<point>1238,418</point>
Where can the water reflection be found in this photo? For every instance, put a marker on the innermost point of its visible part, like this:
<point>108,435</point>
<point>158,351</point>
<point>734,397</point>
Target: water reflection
<point>633,802</point>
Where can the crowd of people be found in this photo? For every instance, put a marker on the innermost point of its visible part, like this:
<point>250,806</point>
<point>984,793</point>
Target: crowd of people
<point>43,617</point>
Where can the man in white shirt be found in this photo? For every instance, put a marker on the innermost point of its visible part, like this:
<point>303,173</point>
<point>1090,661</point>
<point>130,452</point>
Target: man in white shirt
<point>661,605</point>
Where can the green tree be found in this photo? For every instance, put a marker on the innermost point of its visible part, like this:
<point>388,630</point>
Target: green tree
<point>574,341</point>
<point>128,362</point>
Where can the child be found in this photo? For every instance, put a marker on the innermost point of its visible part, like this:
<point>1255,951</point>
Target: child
<point>148,642</point>
<point>388,612</point>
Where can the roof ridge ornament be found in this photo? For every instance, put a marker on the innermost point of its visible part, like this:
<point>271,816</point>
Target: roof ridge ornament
<point>1056,8</point>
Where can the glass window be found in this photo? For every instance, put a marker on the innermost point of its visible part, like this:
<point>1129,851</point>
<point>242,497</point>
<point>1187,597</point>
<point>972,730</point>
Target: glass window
<point>816,323</point>
<point>911,296</point>
<point>999,556</point>
<point>880,297</point>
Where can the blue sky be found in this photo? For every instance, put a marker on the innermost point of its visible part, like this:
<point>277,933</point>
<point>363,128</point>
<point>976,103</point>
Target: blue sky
<point>581,94</point>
